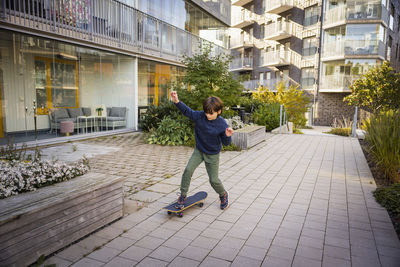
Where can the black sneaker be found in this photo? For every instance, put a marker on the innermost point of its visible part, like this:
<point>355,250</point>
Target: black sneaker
<point>181,202</point>
<point>224,201</point>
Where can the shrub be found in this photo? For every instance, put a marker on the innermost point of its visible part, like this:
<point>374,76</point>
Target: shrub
<point>340,131</point>
<point>267,115</point>
<point>389,197</point>
<point>155,114</point>
<point>383,131</point>
<point>172,132</point>
<point>250,104</point>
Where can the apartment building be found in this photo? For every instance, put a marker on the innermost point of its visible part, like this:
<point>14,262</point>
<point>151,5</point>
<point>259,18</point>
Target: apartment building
<point>96,63</point>
<point>320,45</point>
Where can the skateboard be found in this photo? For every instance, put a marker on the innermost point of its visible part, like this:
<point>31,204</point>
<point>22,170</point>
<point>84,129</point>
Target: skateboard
<point>196,199</point>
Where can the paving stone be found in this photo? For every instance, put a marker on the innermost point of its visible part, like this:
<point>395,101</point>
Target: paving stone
<point>270,261</point>
<point>120,262</point>
<point>146,196</point>
<point>165,253</point>
<point>223,252</point>
<point>135,253</point>
<point>335,262</point>
<point>195,253</point>
<point>281,252</point>
<point>183,262</point>
<point>150,262</point>
<point>364,262</point>
<point>57,261</point>
<point>73,253</point>
<point>177,243</point>
<point>212,262</point>
<point>299,261</point>
<point>104,254</point>
<point>309,252</point>
<point>336,252</point>
<point>86,262</point>
<point>244,261</point>
<point>204,242</point>
<point>253,253</point>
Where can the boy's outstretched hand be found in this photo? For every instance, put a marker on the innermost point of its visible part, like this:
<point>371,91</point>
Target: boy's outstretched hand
<point>229,132</point>
<point>174,97</point>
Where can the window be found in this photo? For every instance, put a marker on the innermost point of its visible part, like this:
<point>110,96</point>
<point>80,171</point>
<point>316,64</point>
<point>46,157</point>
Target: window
<point>309,46</point>
<point>311,15</point>
<point>307,78</point>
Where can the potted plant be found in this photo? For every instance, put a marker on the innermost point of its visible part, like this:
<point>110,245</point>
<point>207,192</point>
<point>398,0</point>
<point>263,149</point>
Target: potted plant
<point>99,110</point>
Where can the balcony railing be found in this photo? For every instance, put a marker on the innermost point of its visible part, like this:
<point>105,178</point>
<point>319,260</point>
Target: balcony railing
<point>278,30</point>
<point>106,23</point>
<point>373,10</point>
<point>276,58</point>
<point>252,85</point>
<point>278,6</point>
<point>242,40</point>
<point>353,47</point>
<point>245,63</point>
<point>243,18</point>
<point>337,82</point>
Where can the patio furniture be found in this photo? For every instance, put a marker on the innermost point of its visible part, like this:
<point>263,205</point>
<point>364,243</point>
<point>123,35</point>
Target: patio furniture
<point>66,127</point>
<point>57,115</point>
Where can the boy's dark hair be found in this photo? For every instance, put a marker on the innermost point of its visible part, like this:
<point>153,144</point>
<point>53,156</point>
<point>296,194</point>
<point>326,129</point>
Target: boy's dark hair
<point>213,104</point>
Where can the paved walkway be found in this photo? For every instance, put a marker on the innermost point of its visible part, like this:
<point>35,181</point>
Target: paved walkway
<point>296,200</point>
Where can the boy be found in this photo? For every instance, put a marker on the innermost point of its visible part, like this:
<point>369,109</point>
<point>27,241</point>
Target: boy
<point>211,131</point>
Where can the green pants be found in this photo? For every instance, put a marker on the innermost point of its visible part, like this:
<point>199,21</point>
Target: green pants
<point>212,164</point>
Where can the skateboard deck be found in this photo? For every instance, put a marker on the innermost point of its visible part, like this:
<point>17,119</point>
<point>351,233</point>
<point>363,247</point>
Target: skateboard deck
<point>189,202</point>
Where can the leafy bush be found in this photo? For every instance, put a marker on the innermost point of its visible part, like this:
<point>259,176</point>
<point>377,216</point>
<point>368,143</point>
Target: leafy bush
<point>231,147</point>
<point>172,132</point>
<point>155,114</point>
<point>267,115</point>
<point>383,131</point>
<point>340,131</point>
<point>249,103</point>
<point>389,197</point>
<point>296,102</point>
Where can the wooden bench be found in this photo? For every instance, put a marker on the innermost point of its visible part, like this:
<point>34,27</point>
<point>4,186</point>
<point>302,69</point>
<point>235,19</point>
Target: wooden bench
<point>41,222</point>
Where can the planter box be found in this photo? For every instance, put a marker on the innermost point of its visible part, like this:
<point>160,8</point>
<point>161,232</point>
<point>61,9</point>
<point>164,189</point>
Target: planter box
<point>41,222</point>
<point>248,136</point>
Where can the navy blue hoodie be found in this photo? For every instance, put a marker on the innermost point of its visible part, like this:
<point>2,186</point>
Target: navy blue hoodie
<point>209,134</point>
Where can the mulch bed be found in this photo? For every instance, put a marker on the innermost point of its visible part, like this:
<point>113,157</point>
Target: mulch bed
<point>380,181</point>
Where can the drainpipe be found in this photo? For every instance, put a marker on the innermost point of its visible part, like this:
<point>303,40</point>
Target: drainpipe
<point>316,91</point>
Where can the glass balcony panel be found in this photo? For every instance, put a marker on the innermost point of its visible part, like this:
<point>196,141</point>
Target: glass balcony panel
<point>333,49</point>
<point>364,10</point>
<point>242,63</point>
<point>243,18</point>
<point>335,15</point>
<point>337,82</point>
<point>241,40</point>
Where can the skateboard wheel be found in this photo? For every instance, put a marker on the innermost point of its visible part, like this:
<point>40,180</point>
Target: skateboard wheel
<point>169,213</point>
<point>201,204</point>
<point>180,214</point>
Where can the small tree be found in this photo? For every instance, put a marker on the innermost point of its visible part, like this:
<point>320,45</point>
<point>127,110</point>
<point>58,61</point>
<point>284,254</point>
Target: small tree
<point>295,101</point>
<point>207,76</point>
<point>377,90</point>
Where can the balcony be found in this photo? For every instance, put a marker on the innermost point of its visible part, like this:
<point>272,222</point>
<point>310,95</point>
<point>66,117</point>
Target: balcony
<point>241,64</point>
<point>241,2</point>
<point>276,58</point>
<point>338,83</point>
<point>252,85</point>
<point>278,6</point>
<point>243,18</point>
<point>242,41</point>
<point>278,30</point>
<point>373,10</point>
<point>354,49</point>
<point>106,24</point>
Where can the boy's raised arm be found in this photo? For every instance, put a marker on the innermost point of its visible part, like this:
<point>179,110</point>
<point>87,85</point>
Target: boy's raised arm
<point>188,112</point>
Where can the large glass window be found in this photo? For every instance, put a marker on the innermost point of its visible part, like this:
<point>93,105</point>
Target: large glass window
<point>66,83</point>
<point>155,81</point>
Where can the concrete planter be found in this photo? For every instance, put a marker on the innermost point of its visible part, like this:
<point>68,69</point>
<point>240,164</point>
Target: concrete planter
<point>41,222</point>
<point>248,136</point>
